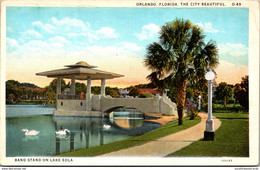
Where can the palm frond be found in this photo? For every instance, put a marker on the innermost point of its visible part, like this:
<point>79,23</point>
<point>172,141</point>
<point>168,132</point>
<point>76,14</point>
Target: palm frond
<point>157,58</point>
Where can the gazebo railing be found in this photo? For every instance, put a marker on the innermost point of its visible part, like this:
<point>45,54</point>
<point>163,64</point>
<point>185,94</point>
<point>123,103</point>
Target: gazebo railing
<point>71,97</point>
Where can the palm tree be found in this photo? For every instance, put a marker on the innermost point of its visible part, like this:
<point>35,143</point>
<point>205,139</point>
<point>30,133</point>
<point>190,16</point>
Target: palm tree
<point>182,56</point>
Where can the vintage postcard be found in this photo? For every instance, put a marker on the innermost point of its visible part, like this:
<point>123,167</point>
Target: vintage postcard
<point>129,83</point>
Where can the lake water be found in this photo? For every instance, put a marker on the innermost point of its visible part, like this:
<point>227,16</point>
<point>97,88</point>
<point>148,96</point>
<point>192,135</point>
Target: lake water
<point>84,132</point>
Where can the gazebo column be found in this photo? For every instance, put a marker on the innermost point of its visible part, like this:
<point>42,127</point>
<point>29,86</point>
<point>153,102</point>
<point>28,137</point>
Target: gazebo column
<point>103,86</point>
<point>89,86</point>
<point>58,90</point>
<point>58,86</point>
<point>89,95</point>
<point>72,88</point>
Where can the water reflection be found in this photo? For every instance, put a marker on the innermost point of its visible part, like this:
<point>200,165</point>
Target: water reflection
<point>84,133</point>
<point>127,118</point>
<point>88,132</point>
<point>87,139</point>
<point>129,123</point>
<point>57,145</point>
<point>28,138</point>
<point>72,141</point>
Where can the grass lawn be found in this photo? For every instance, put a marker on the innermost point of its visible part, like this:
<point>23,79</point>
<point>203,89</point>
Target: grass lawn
<point>231,139</point>
<point>170,128</point>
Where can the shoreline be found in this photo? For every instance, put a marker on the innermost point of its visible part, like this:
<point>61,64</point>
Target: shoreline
<point>160,118</point>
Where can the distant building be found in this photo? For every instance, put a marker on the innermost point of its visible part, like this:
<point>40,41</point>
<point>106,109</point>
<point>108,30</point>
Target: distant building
<point>36,89</point>
<point>37,93</point>
<point>124,93</point>
<point>148,91</point>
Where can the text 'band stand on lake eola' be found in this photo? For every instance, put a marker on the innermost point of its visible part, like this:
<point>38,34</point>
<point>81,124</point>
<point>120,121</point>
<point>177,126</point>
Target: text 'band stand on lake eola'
<point>70,104</point>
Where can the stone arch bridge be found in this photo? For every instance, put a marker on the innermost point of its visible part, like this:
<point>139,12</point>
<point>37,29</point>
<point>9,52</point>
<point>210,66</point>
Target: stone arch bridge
<point>101,105</point>
<point>70,104</point>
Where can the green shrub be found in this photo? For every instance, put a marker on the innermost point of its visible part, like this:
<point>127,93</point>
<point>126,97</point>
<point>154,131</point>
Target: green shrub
<point>145,95</point>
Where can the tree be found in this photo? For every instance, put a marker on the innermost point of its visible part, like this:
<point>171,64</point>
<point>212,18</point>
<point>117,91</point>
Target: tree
<point>237,88</point>
<point>133,91</point>
<point>180,56</point>
<point>14,91</point>
<point>241,92</point>
<point>224,92</point>
<point>51,97</point>
<point>29,85</point>
<point>80,87</point>
<point>96,90</point>
<point>52,86</point>
<point>114,93</point>
<point>10,98</point>
<point>145,95</point>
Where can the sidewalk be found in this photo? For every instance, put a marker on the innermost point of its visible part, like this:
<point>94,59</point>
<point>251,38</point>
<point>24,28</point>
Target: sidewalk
<point>168,144</point>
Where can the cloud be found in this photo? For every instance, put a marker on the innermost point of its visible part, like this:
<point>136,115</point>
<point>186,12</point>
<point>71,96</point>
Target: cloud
<point>130,46</point>
<point>59,39</point>
<point>32,57</point>
<point>11,42</point>
<point>106,32</point>
<point>36,44</point>
<point>148,31</point>
<point>46,27</point>
<point>37,56</point>
<point>230,73</point>
<point>235,50</point>
<point>92,35</point>
<point>118,50</point>
<point>33,47</point>
<point>58,42</point>
<point>31,34</point>
<point>207,27</point>
<point>235,53</point>
<point>71,22</point>
<point>72,34</point>
<point>73,27</point>
<point>57,45</point>
<point>52,44</point>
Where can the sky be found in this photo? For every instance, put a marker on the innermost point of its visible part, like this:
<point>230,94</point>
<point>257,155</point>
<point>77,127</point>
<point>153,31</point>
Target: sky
<point>114,39</point>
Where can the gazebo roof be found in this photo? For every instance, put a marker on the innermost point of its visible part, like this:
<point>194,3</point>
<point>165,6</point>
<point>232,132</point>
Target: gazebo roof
<point>81,64</point>
<point>81,71</point>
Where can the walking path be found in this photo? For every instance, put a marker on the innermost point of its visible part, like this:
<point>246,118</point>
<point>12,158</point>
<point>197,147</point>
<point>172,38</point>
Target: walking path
<point>168,144</point>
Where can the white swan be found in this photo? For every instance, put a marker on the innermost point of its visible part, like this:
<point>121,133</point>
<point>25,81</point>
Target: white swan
<point>62,132</point>
<point>106,127</point>
<point>30,132</point>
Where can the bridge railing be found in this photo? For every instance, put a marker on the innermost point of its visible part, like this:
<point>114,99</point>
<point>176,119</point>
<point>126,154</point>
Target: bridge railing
<point>71,97</point>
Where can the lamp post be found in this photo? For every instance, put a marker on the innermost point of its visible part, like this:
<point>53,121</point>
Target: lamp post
<point>199,103</point>
<point>209,132</point>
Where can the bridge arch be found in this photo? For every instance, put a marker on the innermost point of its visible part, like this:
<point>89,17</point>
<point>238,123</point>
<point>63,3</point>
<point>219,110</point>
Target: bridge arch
<point>125,108</point>
<point>144,105</point>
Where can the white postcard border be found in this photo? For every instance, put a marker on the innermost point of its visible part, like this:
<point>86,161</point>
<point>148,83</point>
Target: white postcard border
<point>146,161</point>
